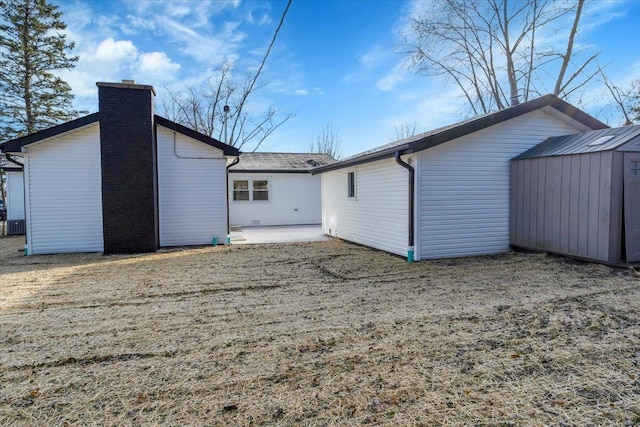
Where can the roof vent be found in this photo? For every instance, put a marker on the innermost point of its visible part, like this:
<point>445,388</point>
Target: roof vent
<point>601,140</point>
<point>128,82</point>
<point>312,162</point>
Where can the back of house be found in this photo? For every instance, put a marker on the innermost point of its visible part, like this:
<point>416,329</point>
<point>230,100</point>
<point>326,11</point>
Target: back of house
<point>276,189</point>
<point>122,180</point>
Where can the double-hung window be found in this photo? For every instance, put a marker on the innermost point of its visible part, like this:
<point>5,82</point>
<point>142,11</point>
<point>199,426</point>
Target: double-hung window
<point>260,189</point>
<point>248,190</point>
<point>241,189</point>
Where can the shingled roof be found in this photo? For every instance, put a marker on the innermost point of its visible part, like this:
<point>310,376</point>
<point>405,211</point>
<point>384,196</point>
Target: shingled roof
<point>444,134</point>
<point>280,162</point>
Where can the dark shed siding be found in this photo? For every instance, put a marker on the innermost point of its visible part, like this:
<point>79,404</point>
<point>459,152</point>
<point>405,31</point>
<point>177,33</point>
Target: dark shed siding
<point>570,205</point>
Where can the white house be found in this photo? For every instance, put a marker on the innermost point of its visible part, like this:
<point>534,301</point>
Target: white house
<point>14,186</point>
<point>276,189</point>
<point>443,193</point>
<point>122,180</point>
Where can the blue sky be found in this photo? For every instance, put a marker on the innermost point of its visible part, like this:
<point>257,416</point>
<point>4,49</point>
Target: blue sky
<point>335,61</point>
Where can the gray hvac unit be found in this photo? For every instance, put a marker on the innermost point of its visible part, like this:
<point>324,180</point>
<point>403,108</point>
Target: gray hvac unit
<point>16,227</point>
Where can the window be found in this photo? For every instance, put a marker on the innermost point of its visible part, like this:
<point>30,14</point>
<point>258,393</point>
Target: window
<point>241,190</point>
<point>351,184</point>
<point>260,190</point>
<point>635,167</point>
<point>257,191</point>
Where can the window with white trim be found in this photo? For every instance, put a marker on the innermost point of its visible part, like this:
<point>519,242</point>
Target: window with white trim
<point>351,184</point>
<point>240,189</point>
<point>635,167</point>
<point>260,189</point>
<point>250,190</point>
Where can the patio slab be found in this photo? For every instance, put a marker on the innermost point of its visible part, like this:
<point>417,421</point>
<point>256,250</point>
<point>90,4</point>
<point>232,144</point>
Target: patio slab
<point>278,234</point>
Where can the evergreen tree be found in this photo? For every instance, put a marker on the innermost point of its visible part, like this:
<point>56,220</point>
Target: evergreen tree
<point>33,47</point>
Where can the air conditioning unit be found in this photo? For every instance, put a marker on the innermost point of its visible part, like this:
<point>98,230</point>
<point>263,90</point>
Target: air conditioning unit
<point>16,227</point>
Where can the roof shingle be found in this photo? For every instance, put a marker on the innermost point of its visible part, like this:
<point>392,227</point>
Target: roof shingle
<point>280,162</point>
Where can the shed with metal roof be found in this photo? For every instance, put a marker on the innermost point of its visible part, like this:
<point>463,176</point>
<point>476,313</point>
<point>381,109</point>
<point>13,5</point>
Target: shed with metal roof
<point>579,195</point>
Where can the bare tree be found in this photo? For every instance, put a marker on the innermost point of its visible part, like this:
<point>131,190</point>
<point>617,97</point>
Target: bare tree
<point>405,130</point>
<point>327,141</point>
<point>202,108</point>
<point>626,99</point>
<point>495,51</point>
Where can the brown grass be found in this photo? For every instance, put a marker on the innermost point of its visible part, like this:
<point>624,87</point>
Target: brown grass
<point>315,334</point>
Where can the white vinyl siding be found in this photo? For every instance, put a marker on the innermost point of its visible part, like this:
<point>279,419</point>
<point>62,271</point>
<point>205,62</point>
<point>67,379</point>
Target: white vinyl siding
<point>464,186</point>
<point>293,199</point>
<point>15,195</point>
<point>64,189</point>
<point>192,190</point>
<point>377,215</point>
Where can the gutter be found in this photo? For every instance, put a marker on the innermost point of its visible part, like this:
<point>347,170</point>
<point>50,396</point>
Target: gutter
<point>411,242</point>
<point>14,161</point>
<point>354,161</point>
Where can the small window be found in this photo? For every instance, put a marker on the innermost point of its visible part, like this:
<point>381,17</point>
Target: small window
<point>261,190</point>
<point>635,167</point>
<point>241,190</point>
<point>351,184</point>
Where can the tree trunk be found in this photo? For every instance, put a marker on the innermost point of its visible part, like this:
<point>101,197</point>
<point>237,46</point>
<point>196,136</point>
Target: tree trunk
<point>567,56</point>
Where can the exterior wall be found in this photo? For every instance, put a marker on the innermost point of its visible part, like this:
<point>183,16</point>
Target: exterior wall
<point>377,215</point>
<point>63,189</point>
<point>192,190</point>
<point>15,195</point>
<point>570,205</point>
<point>463,202</point>
<point>294,199</point>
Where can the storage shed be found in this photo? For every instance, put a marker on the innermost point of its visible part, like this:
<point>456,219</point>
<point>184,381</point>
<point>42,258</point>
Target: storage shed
<point>122,180</point>
<point>579,195</point>
<point>276,189</point>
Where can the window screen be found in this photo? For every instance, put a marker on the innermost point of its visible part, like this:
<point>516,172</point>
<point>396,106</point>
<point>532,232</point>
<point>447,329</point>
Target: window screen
<point>241,190</point>
<point>261,190</point>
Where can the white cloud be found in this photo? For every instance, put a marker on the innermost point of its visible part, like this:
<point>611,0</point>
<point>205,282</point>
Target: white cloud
<point>394,78</point>
<point>374,57</point>
<point>262,19</point>
<point>115,51</point>
<point>157,62</point>
<point>204,48</point>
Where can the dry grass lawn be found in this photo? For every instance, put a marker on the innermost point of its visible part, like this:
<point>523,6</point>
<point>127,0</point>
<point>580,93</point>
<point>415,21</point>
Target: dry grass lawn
<point>319,334</point>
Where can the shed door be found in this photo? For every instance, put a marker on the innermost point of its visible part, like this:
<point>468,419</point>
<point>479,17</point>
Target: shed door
<point>632,205</point>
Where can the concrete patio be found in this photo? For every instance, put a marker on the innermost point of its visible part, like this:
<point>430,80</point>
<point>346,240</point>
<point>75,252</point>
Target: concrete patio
<point>278,234</point>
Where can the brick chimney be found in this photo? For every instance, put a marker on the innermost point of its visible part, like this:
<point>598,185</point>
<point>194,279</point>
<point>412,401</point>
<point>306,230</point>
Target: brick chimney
<point>129,167</point>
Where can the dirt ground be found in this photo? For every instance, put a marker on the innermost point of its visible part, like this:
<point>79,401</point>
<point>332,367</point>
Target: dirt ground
<point>323,334</point>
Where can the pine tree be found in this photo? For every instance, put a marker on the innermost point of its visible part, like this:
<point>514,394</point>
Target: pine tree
<point>33,47</point>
